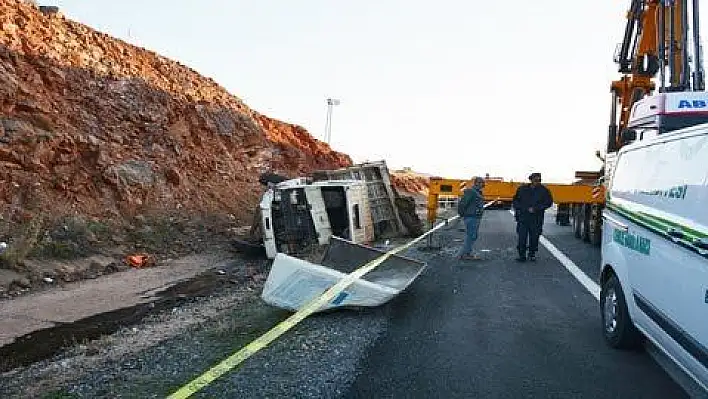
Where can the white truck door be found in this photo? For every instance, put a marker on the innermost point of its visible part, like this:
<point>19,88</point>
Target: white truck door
<point>319,214</point>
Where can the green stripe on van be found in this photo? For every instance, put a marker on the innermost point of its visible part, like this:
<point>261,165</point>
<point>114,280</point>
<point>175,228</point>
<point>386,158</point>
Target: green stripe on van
<point>637,218</point>
<point>655,223</point>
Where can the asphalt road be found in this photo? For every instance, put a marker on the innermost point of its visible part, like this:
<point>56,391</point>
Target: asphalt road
<point>492,328</point>
<point>586,257</point>
<point>495,328</point>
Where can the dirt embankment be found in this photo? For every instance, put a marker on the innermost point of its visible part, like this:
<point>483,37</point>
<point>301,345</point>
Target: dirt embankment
<point>104,126</point>
<point>410,182</point>
<point>95,132</point>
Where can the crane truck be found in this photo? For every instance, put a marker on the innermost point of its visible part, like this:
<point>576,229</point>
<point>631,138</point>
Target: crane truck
<point>655,45</point>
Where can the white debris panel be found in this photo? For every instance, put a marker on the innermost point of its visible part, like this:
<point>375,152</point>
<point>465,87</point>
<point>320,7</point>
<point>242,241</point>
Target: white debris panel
<point>294,282</point>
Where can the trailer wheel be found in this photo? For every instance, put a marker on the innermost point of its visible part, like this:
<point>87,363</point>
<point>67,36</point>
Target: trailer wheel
<point>595,225</point>
<point>577,220</point>
<point>585,214</point>
<point>563,215</point>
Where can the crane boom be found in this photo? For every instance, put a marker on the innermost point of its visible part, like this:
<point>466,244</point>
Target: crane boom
<point>655,42</point>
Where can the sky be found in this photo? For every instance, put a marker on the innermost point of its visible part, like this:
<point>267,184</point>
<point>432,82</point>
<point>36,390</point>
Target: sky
<point>454,88</point>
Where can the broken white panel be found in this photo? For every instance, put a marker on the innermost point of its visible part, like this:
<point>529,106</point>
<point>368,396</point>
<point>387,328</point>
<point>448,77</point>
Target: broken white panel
<point>294,282</point>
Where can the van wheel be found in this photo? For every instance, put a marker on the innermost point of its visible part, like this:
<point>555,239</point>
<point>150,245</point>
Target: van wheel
<point>617,327</point>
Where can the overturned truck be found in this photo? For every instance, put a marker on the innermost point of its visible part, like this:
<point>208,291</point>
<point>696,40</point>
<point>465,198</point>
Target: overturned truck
<point>297,214</point>
<point>357,203</point>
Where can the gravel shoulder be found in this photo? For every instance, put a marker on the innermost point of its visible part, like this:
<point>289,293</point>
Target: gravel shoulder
<point>83,299</point>
<point>317,358</point>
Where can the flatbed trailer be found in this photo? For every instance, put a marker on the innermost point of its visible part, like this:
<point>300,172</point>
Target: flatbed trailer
<point>566,196</point>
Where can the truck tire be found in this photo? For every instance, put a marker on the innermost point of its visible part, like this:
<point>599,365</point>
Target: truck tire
<point>563,215</point>
<point>595,225</point>
<point>585,229</point>
<point>617,326</point>
<point>577,220</point>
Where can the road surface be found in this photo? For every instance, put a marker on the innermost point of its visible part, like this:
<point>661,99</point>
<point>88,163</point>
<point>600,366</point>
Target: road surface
<point>478,329</point>
<point>496,328</point>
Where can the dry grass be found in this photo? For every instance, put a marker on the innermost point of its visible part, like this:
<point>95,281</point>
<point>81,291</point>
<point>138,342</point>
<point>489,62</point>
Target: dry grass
<point>23,244</point>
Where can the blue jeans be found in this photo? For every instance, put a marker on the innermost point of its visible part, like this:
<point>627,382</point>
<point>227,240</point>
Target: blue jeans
<point>472,228</point>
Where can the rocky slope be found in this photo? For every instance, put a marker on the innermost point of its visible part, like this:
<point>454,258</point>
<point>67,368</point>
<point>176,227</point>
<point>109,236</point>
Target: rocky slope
<point>91,125</point>
<point>409,181</point>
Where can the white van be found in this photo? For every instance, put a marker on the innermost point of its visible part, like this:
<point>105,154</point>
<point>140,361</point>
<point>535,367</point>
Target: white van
<point>654,280</point>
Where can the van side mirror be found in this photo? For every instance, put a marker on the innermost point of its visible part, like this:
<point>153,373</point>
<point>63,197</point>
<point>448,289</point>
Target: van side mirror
<point>629,135</point>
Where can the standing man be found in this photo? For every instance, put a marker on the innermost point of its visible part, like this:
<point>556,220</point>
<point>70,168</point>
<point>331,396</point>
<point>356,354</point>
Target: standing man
<point>470,209</point>
<point>530,203</point>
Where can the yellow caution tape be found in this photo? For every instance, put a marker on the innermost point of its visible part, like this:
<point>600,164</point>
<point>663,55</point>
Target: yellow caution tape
<point>261,342</point>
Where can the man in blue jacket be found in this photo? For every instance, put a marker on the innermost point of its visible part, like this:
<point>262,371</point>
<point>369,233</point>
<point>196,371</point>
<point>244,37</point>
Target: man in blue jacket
<point>530,203</point>
<point>470,208</point>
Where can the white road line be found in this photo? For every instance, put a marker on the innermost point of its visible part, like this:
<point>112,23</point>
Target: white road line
<point>678,374</point>
<point>579,275</point>
<point>583,278</point>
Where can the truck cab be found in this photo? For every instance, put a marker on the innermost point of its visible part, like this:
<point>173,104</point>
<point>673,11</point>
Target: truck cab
<point>654,279</point>
<point>667,112</point>
<point>297,215</point>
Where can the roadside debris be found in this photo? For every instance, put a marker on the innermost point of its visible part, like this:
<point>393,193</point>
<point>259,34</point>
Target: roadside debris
<point>294,282</point>
<point>140,260</point>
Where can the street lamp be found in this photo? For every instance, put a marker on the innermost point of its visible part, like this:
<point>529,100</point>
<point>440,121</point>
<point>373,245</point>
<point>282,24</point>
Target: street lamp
<point>331,102</point>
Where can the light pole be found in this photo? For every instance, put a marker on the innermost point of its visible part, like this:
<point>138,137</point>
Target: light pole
<point>331,102</point>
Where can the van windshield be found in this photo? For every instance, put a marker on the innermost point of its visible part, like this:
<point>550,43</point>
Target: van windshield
<point>670,123</point>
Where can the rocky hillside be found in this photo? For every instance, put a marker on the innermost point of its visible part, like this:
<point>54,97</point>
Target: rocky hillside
<point>94,126</point>
<point>409,181</point>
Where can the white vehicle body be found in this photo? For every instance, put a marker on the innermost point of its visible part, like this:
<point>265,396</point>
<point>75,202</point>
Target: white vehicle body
<point>295,214</point>
<point>655,244</point>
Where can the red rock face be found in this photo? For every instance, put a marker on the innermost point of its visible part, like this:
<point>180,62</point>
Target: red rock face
<point>92,125</point>
<point>410,182</point>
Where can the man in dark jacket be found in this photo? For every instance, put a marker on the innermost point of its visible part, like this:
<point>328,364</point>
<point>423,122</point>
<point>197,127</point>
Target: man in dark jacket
<point>470,209</point>
<point>530,203</point>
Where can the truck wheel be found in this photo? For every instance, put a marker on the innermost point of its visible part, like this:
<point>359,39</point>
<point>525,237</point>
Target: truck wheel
<point>563,215</point>
<point>617,326</point>
<point>577,220</point>
<point>595,225</point>
<point>585,215</point>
